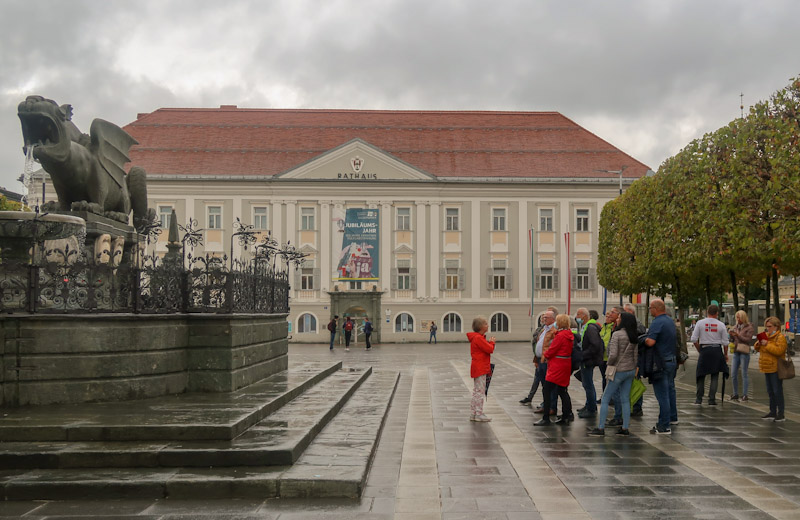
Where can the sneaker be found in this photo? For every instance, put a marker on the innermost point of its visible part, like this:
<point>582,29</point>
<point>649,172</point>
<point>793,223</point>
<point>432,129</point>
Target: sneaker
<point>780,418</point>
<point>660,431</point>
<point>637,413</point>
<point>481,418</point>
<point>770,415</point>
<point>674,422</point>
<point>698,402</point>
<point>712,403</point>
<point>526,401</point>
<point>587,415</point>
<point>369,348</point>
<point>614,422</point>
<point>544,421</point>
<point>623,432</point>
<point>347,349</point>
<point>745,398</point>
<point>596,432</point>
<point>735,397</point>
<point>579,410</point>
<point>472,417</point>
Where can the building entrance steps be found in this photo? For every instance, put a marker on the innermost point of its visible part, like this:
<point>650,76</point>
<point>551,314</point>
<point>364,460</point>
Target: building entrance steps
<point>189,416</point>
<point>329,432</point>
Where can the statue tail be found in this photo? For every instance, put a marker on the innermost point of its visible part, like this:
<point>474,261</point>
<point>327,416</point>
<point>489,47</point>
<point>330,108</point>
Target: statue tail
<point>137,187</point>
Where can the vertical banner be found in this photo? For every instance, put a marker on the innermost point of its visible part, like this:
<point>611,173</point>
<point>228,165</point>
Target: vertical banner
<point>359,252</point>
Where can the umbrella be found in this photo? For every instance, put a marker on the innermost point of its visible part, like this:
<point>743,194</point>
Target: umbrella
<point>489,377</point>
<point>726,371</point>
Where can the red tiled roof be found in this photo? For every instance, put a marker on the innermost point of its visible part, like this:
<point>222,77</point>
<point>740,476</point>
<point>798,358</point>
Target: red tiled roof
<point>237,141</point>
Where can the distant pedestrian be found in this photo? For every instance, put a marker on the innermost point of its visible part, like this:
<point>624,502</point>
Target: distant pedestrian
<point>348,332</point>
<point>480,350</point>
<point>433,329</point>
<point>742,339</point>
<point>661,338</point>
<point>332,326</point>
<point>367,332</point>
<point>710,338</point>
<point>772,348</point>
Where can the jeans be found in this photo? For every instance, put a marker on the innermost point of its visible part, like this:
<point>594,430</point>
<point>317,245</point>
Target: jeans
<point>432,338</point>
<point>775,392</point>
<point>620,386</point>
<point>551,389</point>
<point>542,372</point>
<point>333,337</point>
<point>742,360</point>
<point>664,388</point>
<point>712,389</point>
<point>366,338</point>
<point>587,381</point>
<point>538,378</point>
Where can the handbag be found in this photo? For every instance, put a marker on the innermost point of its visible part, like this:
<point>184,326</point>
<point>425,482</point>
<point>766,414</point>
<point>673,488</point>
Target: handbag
<point>611,370</point>
<point>742,348</point>
<point>785,367</point>
<point>637,390</point>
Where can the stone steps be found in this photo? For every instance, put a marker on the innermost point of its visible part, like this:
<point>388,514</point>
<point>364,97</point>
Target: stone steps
<point>190,416</point>
<point>277,440</point>
<point>335,463</point>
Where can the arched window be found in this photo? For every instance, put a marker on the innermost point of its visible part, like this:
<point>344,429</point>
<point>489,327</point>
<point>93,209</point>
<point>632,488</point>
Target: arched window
<point>306,323</point>
<point>452,323</point>
<point>499,323</point>
<point>404,323</point>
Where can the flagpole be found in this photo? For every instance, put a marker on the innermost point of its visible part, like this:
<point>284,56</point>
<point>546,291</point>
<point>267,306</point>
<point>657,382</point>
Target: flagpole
<point>531,313</point>
<point>569,275</point>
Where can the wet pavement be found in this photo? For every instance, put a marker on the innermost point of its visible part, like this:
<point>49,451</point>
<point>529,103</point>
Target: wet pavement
<point>721,462</point>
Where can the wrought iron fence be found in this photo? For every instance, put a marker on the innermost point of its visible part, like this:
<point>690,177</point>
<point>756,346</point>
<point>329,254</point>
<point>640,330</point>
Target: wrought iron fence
<point>63,281</point>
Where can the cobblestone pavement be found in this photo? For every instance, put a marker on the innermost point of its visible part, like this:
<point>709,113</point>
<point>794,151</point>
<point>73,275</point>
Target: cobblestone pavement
<point>721,462</point>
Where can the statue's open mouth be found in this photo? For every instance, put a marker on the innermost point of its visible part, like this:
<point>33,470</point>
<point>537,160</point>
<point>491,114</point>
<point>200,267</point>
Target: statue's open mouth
<point>39,129</point>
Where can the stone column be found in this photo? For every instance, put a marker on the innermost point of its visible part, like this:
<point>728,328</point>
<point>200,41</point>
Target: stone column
<point>433,262</point>
<point>291,236</point>
<point>386,244</point>
<point>421,257</point>
<point>277,221</point>
<point>236,208</point>
<point>325,258</point>
<point>522,271</point>
<point>476,231</point>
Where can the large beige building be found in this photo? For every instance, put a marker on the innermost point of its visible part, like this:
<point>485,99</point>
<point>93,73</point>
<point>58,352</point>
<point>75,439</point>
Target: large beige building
<point>407,217</point>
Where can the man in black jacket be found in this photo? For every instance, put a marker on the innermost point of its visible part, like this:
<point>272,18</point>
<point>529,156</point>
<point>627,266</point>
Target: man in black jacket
<point>592,347</point>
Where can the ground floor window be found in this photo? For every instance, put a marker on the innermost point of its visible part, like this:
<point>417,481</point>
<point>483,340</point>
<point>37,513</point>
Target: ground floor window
<point>404,323</point>
<point>452,323</point>
<point>499,323</point>
<point>306,323</point>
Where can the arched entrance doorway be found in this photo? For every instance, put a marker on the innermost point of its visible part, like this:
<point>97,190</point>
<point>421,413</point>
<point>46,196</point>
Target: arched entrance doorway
<point>358,305</point>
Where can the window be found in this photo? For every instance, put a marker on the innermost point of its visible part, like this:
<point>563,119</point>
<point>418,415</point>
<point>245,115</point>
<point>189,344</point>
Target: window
<point>306,323</point>
<point>164,215</point>
<point>546,275</point>
<point>499,323</point>
<point>260,217</point>
<point>404,323</point>
<point>451,323</point>
<point>451,268</point>
<point>498,219</point>
<point>498,276</point>
<point>307,278</point>
<point>403,275</point>
<point>215,217</point>
<point>355,285</point>
<point>403,219</point>
<point>582,220</point>
<point>307,219</point>
<point>451,219</point>
<point>582,275</point>
<point>545,219</point>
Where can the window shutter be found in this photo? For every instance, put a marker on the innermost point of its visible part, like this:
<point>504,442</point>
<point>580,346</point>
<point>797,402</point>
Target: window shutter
<point>556,280</point>
<point>593,279</point>
<point>573,279</point>
<point>489,276</point>
<point>412,276</point>
<point>462,279</point>
<point>442,279</point>
<point>316,279</point>
<point>393,283</point>
<point>509,278</point>
<point>537,279</point>
<point>297,283</point>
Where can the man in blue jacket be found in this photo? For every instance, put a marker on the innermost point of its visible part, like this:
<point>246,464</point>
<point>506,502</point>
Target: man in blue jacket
<point>661,337</point>
<point>367,331</point>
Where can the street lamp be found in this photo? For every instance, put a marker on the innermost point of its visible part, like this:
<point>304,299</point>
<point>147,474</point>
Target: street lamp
<point>622,169</point>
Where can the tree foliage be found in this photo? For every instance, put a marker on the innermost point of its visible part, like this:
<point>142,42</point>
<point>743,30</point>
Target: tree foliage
<point>721,213</point>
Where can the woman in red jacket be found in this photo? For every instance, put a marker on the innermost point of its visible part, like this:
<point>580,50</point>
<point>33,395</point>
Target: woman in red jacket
<point>481,351</point>
<point>559,369</point>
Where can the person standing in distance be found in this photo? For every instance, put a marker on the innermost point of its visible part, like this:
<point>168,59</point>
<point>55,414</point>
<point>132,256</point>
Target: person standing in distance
<point>332,326</point>
<point>710,338</point>
<point>348,332</point>
<point>434,328</point>
<point>480,350</point>
<point>661,336</point>
<point>367,331</point>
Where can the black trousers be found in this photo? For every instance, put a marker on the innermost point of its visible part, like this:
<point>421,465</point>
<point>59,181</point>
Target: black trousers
<point>566,403</point>
<point>366,337</point>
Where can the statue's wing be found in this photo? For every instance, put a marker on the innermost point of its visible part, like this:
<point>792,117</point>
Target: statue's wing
<point>112,144</point>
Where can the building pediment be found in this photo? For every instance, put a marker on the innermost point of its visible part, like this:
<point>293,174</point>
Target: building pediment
<point>403,249</point>
<point>354,161</point>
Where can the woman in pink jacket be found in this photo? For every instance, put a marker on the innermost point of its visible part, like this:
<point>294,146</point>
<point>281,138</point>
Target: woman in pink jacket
<point>559,369</point>
<point>481,351</point>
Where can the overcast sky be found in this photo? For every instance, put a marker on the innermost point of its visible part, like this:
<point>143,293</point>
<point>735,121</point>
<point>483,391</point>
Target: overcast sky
<point>646,75</point>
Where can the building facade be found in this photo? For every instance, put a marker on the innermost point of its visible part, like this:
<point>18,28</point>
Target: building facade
<point>406,217</point>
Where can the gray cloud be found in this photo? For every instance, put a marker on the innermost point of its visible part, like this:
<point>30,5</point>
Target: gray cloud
<point>647,76</point>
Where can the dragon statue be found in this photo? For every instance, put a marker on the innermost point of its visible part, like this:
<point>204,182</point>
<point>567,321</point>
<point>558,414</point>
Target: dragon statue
<point>86,170</point>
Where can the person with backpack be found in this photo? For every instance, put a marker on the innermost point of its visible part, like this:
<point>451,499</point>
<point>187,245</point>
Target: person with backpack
<point>348,332</point>
<point>367,332</point>
<point>592,348</point>
<point>332,325</point>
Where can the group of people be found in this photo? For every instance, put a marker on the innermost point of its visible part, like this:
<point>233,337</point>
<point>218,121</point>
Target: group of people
<point>623,350</point>
<point>347,331</point>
